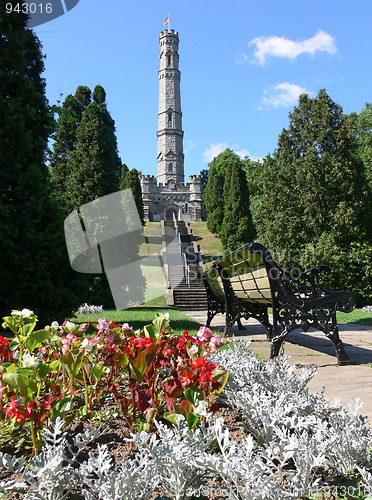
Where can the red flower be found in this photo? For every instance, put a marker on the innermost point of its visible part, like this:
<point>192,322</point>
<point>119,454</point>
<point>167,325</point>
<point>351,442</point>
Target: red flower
<point>140,341</point>
<point>187,378</point>
<point>12,411</point>
<point>31,406</point>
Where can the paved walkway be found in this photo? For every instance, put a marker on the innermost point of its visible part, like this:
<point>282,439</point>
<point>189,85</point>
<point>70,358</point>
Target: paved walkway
<point>345,382</point>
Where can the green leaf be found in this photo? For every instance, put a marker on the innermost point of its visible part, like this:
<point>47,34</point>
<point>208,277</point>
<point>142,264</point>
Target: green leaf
<point>72,361</point>
<point>194,395</point>
<point>11,322</point>
<point>174,418</point>
<point>35,339</point>
<point>221,376</point>
<point>150,415</point>
<point>150,331</point>
<point>143,361</point>
<point>62,408</point>
<point>96,371</point>
<point>7,367</point>
<point>45,368</point>
<point>192,420</point>
<point>26,385</point>
<point>159,322</point>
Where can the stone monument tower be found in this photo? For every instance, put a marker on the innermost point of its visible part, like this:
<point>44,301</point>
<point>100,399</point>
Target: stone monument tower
<point>170,195</point>
<point>170,135</point>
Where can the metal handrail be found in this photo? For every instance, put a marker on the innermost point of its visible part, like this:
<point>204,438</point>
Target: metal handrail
<point>186,266</point>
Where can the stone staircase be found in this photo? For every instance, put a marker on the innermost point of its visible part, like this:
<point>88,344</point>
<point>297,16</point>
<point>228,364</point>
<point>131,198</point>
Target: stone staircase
<point>187,292</point>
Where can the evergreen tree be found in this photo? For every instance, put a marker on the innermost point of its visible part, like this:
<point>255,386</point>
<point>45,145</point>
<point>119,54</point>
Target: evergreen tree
<point>84,162</point>
<point>85,165</point>
<point>213,192</point>
<point>364,137</point>
<point>124,171</point>
<point>213,201</point>
<point>132,181</point>
<point>237,227</point>
<point>35,269</point>
<point>94,168</point>
<point>65,143</point>
<point>315,202</point>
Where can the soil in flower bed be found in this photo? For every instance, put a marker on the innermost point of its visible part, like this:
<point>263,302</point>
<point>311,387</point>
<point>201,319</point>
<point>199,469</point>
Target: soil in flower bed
<point>114,438</point>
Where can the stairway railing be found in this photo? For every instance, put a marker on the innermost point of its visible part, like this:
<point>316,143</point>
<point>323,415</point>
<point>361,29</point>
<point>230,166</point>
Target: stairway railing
<point>185,264</point>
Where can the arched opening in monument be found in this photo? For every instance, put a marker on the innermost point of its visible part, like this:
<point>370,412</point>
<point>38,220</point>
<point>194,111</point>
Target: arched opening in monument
<point>169,213</point>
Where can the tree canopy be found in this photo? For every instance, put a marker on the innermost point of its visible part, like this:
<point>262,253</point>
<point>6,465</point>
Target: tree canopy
<point>84,162</point>
<point>226,198</point>
<point>131,181</point>
<point>364,137</point>
<point>237,227</point>
<point>35,268</point>
<point>315,199</point>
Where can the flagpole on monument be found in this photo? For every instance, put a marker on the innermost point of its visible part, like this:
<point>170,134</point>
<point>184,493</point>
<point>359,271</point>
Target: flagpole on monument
<point>167,21</point>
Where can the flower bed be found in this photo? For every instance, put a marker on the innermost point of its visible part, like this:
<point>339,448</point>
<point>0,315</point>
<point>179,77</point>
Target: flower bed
<point>293,443</point>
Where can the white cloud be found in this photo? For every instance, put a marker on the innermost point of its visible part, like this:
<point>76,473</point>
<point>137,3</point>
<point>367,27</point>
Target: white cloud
<point>282,95</point>
<point>213,151</point>
<point>240,60</point>
<point>242,152</point>
<point>283,47</point>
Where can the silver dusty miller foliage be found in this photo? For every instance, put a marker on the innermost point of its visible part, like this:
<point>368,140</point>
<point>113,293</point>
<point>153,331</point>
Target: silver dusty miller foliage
<point>291,433</point>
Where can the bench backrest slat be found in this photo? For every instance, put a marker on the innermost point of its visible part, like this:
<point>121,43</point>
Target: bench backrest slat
<point>247,275</point>
<point>214,283</point>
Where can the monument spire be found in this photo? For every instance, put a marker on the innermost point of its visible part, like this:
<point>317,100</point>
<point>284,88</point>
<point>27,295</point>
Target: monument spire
<point>170,157</point>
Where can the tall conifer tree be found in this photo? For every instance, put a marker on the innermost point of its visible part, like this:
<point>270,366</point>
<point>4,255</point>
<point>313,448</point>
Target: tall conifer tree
<point>35,269</point>
<point>64,145</point>
<point>131,181</point>
<point>213,192</point>
<point>237,227</point>
<point>315,201</point>
<point>85,164</point>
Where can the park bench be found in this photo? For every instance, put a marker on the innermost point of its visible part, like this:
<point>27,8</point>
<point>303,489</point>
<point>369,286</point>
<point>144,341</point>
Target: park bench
<point>216,297</point>
<point>252,282</point>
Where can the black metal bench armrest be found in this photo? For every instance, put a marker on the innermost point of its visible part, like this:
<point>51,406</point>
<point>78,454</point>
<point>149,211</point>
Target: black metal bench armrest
<point>306,285</point>
<point>315,271</point>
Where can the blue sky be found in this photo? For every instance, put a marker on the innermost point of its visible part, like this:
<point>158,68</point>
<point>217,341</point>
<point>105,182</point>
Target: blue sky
<point>243,65</point>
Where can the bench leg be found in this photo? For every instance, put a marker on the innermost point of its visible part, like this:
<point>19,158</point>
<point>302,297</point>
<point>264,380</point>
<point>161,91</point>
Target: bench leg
<point>334,337</point>
<point>276,344</point>
<point>209,318</point>
<point>240,326</point>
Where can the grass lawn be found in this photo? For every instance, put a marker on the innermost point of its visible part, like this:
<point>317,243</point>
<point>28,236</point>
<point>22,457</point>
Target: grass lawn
<point>357,316</point>
<point>210,245</point>
<point>137,317</point>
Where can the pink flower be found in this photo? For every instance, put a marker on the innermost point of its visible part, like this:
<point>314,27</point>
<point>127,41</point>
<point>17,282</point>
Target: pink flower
<point>94,340</point>
<point>126,328</point>
<point>103,325</point>
<point>216,340</point>
<point>71,338</point>
<point>204,334</point>
<point>3,388</point>
<point>110,338</point>
<point>194,349</point>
